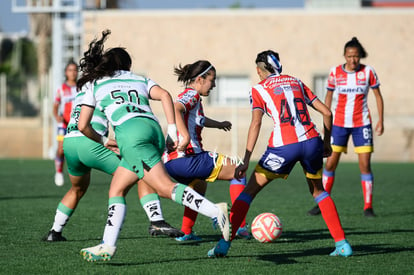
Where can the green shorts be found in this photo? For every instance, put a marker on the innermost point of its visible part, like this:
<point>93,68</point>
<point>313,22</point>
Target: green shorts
<point>82,154</point>
<point>141,143</point>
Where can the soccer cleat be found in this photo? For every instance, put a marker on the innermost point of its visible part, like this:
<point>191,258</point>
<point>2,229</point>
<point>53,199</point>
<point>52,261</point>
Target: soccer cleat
<point>243,233</point>
<point>342,248</point>
<point>163,228</point>
<point>59,179</point>
<point>188,237</point>
<point>314,211</point>
<point>369,213</point>
<point>101,252</point>
<point>54,236</point>
<point>223,220</point>
<point>220,250</point>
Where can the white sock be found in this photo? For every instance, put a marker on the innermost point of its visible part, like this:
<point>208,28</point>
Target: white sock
<point>188,197</point>
<point>116,216</point>
<point>60,221</point>
<point>152,206</point>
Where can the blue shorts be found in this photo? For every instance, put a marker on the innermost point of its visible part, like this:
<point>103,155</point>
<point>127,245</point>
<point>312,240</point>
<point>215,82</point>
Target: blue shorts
<point>278,162</point>
<point>202,166</point>
<point>61,132</point>
<point>361,137</point>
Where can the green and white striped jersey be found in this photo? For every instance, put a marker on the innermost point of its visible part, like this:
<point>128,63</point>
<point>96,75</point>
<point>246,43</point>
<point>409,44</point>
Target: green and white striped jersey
<point>121,97</point>
<point>99,122</point>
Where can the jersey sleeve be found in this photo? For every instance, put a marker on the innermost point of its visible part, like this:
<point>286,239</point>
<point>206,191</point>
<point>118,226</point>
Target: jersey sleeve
<point>310,97</point>
<point>256,101</point>
<point>89,98</point>
<point>189,99</point>
<point>331,84</point>
<point>373,79</point>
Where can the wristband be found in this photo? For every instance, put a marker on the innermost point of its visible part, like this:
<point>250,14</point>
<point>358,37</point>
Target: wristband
<point>104,140</point>
<point>172,132</point>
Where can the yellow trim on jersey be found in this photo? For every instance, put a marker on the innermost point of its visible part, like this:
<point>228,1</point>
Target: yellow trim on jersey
<point>217,168</point>
<point>60,137</point>
<point>364,149</point>
<point>339,149</point>
<point>269,175</point>
<point>316,176</point>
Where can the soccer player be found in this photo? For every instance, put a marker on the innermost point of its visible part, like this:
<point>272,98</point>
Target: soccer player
<point>350,83</point>
<point>83,154</point>
<point>294,139</point>
<point>199,79</point>
<point>62,108</point>
<point>124,98</point>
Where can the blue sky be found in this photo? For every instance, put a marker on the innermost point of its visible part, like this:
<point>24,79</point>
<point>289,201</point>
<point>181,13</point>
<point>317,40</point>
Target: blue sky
<point>18,22</point>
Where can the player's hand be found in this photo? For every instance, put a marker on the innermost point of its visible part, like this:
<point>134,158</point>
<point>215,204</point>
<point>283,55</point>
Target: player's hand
<point>379,128</point>
<point>225,125</point>
<point>327,150</point>
<point>240,171</point>
<point>112,145</point>
<point>59,119</point>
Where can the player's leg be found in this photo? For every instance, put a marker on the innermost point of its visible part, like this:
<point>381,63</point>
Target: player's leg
<point>312,164</point>
<point>363,141</point>
<point>228,166</point>
<point>340,137</point>
<point>60,157</point>
<point>190,215</point>
<point>151,204</point>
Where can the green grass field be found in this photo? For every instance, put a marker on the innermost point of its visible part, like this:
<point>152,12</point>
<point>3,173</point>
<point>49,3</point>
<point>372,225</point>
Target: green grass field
<point>382,245</point>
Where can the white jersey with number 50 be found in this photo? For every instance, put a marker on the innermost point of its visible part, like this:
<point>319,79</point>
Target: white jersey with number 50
<point>121,97</point>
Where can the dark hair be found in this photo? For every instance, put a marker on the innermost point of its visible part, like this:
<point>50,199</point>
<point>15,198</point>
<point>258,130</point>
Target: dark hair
<point>97,63</point>
<point>354,43</point>
<point>190,72</point>
<point>263,57</point>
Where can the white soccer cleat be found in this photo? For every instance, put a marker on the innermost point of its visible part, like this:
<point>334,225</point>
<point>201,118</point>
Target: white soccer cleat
<point>101,252</point>
<point>59,179</point>
<point>223,220</point>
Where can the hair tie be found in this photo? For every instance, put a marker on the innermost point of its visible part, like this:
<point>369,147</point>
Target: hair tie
<point>272,60</point>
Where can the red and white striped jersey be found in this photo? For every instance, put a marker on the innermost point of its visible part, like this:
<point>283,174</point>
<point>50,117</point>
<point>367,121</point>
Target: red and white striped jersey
<point>65,95</point>
<point>194,121</point>
<point>284,99</point>
<point>351,91</point>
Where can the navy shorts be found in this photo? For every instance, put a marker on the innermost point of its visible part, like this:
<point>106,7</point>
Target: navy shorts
<point>361,137</point>
<point>281,160</point>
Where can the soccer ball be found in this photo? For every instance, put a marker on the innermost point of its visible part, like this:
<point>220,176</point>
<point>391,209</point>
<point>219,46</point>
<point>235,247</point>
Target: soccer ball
<point>266,227</point>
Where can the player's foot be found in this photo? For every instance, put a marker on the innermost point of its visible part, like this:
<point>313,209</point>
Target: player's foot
<point>342,248</point>
<point>59,179</point>
<point>163,228</point>
<point>101,252</point>
<point>188,237</point>
<point>54,236</point>
<point>314,211</point>
<point>369,213</point>
<point>220,250</point>
<point>243,232</point>
<point>223,220</point>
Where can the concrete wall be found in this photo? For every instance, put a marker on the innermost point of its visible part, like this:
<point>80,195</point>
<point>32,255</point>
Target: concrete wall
<point>309,43</point>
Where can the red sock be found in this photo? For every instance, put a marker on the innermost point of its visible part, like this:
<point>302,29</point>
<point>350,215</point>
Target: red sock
<point>328,180</point>
<point>238,212</point>
<point>367,180</point>
<point>59,164</point>
<point>235,190</point>
<point>189,219</point>
<point>330,215</point>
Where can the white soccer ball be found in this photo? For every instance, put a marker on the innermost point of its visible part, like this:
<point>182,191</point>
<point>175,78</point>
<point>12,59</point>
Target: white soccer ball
<point>266,227</point>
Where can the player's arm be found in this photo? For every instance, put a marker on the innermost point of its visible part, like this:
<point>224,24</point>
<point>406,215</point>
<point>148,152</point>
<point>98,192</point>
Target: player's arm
<point>158,93</point>
<point>223,125</point>
<point>379,128</point>
<point>328,98</point>
<point>252,136</point>
<point>84,124</point>
<point>182,128</point>
<point>327,125</point>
